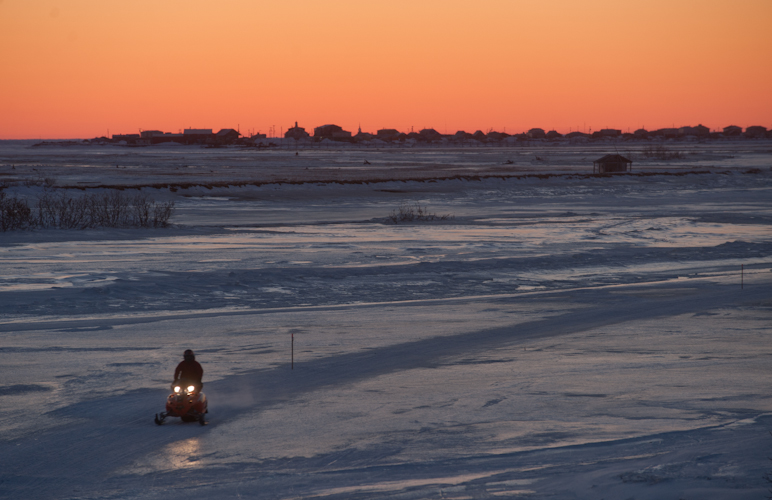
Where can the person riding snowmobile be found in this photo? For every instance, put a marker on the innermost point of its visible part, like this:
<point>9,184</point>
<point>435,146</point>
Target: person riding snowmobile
<point>189,371</point>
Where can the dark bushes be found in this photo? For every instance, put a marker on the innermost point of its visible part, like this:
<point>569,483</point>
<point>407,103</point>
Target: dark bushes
<point>660,152</point>
<point>60,210</point>
<point>14,213</point>
<point>415,212</point>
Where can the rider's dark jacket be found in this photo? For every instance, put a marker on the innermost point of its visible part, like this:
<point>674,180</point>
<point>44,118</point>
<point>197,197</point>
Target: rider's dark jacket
<point>189,370</point>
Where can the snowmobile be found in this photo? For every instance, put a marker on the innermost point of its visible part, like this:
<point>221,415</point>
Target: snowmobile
<point>185,402</point>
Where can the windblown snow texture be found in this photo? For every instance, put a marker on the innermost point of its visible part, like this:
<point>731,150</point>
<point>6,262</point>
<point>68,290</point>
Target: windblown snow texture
<point>562,336</point>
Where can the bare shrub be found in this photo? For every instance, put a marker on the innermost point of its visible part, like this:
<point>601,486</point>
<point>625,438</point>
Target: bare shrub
<point>407,212</point>
<point>161,213</point>
<point>63,211</point>
<point>115,209</point>
<point>110,209</point>
<point>14,213</point>
<point>140,208</point>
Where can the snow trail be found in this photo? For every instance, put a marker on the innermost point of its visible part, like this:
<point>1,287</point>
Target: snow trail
<point>104,435</point>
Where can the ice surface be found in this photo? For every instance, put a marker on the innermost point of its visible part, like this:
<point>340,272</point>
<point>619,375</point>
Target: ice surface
<point>560,337</point>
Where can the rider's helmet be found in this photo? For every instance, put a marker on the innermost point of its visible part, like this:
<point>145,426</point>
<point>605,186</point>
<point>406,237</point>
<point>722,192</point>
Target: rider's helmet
<point>188,355</point>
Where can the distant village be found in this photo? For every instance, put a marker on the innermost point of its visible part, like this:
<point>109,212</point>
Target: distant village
<point>334,133</point>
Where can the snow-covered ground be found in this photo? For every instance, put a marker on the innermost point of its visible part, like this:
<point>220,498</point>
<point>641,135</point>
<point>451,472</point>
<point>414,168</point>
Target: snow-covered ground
<point>561,336</point>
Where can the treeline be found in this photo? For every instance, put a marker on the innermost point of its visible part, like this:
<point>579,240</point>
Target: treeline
<point>60,210</point>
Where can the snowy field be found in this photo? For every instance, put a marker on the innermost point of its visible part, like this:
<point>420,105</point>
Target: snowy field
<point>560,336</point>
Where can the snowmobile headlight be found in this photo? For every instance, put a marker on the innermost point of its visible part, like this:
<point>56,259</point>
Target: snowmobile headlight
<point>177,388</point>
<point>191,388</point>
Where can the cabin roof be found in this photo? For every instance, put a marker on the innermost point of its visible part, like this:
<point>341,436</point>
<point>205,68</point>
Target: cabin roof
<point>613,159</point>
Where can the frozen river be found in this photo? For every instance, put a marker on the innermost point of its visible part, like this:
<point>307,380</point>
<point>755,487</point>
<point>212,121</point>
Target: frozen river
<point>557,336</point>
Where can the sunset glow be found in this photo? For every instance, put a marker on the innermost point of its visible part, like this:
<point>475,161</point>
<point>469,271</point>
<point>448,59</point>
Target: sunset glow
<point>76,68</point>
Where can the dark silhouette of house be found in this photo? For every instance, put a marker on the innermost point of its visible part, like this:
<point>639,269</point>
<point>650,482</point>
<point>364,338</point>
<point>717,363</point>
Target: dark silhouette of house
<point>363,136</point>
<point>756,132</point>
<point>732,131</point>
<point>198,135</point>
<point>387,134</point>
<point>227,136</point>
<point>296,133</point>
<point>430,135</point>
<point>159,137</point>
<point>496,136</point>
<point>610,164</point>
<point>127,138</point>
<point>536,133</point>
<point>331,132</point>
<point>665,132</point>
<point>167,137</point>
<point>698,131</point>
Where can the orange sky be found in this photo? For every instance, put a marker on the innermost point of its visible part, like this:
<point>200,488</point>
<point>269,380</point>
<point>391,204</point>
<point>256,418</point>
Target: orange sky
<point>76,68</point>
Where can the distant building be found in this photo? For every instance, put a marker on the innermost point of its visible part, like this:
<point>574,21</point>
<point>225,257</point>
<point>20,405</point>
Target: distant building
<point>553,134</point>
<point>227,136</point>
<point>387,134</point>
<point>610,164</point>
<point>536,133</point>
<point>363,136</point>
<point>641,133</point>
<point>333,132</point>
<point>430,135</point>
<point>127,138</point>
<point>698,131</point>
<point>609,132</point>
<point>296,133</point>
<point>665,132</point>
<point>572,135</point>
<point>756,132</point>
<point>462,136</point>
<point>167,137</point>
<point>732,131</point>
<point>198,135</point>
<point>149,134</point>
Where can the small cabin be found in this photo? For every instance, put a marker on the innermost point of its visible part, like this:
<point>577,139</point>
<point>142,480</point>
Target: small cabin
<point>612,164</point>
